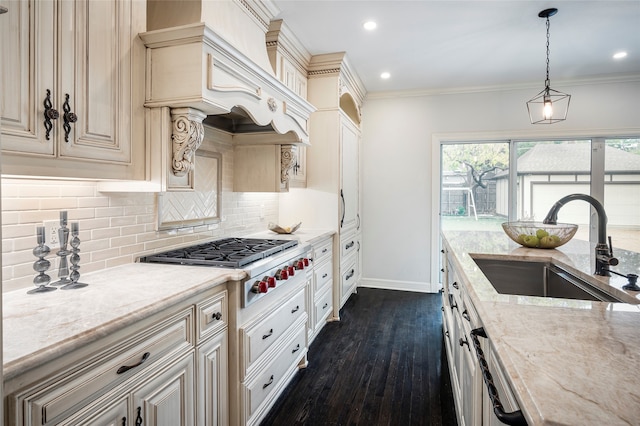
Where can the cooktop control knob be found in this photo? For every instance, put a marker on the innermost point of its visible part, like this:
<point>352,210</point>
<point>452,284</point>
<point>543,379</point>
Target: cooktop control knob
<point>291,271</point>
<point>284,274</point>
<point>271,282</point>
<point>263,287</point>
<point>299,264</point>
<point>305,261</point>
<point>255,288</point>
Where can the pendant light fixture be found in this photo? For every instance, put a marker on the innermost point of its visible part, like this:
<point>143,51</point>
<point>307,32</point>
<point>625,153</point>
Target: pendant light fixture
<point>549,106</point>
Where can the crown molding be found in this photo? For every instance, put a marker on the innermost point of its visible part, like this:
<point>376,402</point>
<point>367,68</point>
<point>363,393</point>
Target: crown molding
<point>587,81</point>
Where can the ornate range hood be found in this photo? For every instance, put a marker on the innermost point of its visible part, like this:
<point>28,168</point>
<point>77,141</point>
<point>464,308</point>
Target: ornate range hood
<point>201,74</point>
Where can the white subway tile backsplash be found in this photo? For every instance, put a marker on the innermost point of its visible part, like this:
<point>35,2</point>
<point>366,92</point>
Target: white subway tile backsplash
<point>115,228</point>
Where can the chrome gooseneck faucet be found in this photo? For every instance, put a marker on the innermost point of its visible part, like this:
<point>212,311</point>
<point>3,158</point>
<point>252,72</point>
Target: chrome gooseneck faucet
<point>604,250</point>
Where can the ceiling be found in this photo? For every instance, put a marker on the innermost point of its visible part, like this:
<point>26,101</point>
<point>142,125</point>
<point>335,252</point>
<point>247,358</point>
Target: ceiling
<point>444,45</point>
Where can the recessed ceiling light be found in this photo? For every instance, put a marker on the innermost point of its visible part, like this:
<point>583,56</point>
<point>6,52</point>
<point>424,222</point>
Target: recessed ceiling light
<point>370,25</point>
<point>619,55</point>
<point>385,75</point>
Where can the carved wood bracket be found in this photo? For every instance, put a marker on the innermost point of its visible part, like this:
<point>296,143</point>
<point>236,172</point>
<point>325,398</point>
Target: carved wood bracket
<point>187,135</point>
<point>287,160</point>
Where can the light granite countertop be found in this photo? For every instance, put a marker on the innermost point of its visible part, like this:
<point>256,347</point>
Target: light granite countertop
<point>569,362</point>
<point>40,327</point>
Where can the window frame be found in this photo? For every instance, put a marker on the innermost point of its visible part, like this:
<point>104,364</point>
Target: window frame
<point>597,182</point>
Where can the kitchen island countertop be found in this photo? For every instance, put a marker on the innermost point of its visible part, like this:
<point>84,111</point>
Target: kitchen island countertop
<point>569,362</point>
<point>40,327</point>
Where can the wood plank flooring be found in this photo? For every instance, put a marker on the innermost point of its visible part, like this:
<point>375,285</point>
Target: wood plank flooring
<point>383,363</point>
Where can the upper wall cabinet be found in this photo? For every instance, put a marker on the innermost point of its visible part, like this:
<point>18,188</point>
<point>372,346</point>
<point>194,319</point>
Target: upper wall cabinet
<point>73,99</point>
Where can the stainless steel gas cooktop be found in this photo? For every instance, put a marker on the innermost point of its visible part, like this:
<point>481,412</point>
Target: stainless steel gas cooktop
<point>225,253</point>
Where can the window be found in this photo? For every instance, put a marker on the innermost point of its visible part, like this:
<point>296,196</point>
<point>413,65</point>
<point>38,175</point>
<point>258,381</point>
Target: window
<point>479,190</point>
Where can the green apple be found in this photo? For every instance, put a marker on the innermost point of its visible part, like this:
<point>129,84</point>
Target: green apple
<point>531,241</point>
<point>548,242</point>
<point>541,233</point>
<point>521,238</point>
<point>556,239</point>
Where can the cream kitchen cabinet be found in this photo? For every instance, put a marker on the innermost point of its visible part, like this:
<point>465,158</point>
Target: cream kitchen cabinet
<point>74,88</point>
<point>166,369</point>
<point>212,348</point>
<point>262,168</point>
<point>466,343</point>
<point>459,318</point>
<point>333,165</point>
<point>321,289</point>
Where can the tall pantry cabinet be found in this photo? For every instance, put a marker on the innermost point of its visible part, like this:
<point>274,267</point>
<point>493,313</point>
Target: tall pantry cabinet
<point>332,195</point>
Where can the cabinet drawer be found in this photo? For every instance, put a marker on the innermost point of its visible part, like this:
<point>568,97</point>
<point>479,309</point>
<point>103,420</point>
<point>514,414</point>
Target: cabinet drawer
<point>258,390</point>
<point>348,277</point>
<point>265,330</point>
<point>323,275</point>
<point>348,245</point>
<point>107,369</point>
<point>212,315</point>
<point>323,251</point>
<point>323,307</point>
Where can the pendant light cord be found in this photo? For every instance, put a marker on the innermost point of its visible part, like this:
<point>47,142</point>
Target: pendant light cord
<point>547,82</point>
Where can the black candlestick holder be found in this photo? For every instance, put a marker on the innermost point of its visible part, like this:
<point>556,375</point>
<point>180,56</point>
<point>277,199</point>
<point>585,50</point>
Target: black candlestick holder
<point>74,276</point>
<point>41,265</point>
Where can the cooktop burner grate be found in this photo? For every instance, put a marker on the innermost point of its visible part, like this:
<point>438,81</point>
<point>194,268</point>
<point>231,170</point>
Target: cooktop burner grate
<point>225,253</point>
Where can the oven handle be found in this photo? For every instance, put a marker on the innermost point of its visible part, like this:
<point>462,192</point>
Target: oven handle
<point>515,418</point>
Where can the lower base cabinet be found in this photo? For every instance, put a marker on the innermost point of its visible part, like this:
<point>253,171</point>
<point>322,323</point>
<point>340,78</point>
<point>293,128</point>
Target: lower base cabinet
<point>213,382</point>
<point>460,321</point>
<point>153,373</point>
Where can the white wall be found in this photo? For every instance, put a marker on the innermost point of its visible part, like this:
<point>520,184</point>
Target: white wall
<point>399,204</point>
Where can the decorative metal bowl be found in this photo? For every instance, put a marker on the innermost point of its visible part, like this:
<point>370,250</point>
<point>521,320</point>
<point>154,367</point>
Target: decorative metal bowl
<point>540,235</point>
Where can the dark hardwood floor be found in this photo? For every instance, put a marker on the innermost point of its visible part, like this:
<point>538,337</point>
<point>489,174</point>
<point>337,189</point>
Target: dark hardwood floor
<point>383,363</point>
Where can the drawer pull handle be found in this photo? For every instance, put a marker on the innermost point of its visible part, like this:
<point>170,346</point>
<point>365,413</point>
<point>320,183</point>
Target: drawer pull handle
<point>268,383</point>
<point>264,336</point>
<point>139,417</point>
<point>455,285</point>
<point>217,316</point>
<point>348,246</point>
<point>124,421</point>
<point>350,274</point>
<point>325,275</point>
<point>325,306</point>
<point>324,250</point>
<point>296,309</point>
<point>515,418</point>
<point>466,316</point>
<point>126,368</point>
<point>296,349</point>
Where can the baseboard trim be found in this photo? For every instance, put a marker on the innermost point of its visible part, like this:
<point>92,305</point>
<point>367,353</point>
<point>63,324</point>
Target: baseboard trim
<point>418,287</point>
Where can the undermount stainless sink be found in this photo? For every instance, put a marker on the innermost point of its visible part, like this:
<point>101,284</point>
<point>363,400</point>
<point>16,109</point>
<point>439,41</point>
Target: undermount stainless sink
<point>542,279</point>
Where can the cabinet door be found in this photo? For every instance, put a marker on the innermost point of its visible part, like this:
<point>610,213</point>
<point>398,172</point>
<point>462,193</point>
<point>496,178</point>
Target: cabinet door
<point>349,170</point>
<point>167,398</point>
<point>470,384</point>
<point>212,382</point>
<point>28,50</point>
<point>95,71</point>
